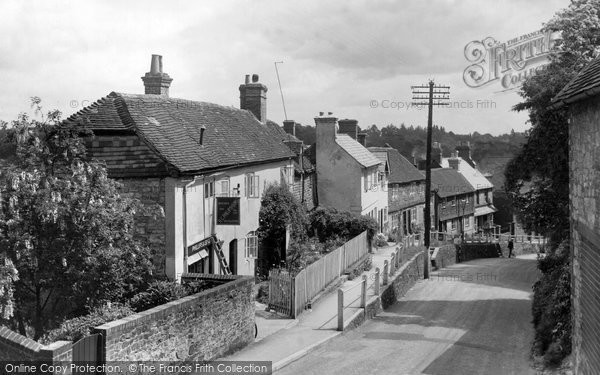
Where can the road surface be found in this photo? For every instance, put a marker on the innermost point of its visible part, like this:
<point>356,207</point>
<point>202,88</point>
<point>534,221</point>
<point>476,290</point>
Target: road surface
<point>471,318</point>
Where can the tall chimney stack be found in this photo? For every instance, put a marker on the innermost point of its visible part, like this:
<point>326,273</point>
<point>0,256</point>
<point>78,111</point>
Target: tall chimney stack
<point>155,81</point>
<point>464,151</point>
<point>349,127</point>
<point>253,97</point>
<point>289,126</point>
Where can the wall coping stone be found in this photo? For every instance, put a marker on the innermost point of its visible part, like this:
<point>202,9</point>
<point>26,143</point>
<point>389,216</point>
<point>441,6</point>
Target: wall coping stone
<point>173,306</point>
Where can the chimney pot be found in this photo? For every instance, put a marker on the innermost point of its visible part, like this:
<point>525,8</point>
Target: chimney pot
<point>155,81</point>
<point>321,113</point>
<point>330,113</point>
<point>247,79</point>
<point>253,98</point>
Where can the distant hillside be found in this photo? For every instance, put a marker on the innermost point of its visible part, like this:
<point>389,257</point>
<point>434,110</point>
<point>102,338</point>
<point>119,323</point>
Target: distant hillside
<point>491,153</point>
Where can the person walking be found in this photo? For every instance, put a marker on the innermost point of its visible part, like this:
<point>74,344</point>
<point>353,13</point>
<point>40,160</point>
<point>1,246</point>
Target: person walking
<point>510,247</point>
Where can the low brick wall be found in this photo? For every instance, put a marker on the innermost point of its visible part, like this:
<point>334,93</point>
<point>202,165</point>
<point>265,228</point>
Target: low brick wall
<point>398,284</point>
<point>14,346</point>
<point>520,248</point>
<point>469,251</point>
<point>404,278</point>
<point>446,256</point>
<point>203,326</point>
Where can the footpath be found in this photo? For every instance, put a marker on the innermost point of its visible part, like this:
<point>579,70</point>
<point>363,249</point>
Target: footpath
<point>283,341</point>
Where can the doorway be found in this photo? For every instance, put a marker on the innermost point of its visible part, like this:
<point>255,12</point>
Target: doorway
<point>233,255</point>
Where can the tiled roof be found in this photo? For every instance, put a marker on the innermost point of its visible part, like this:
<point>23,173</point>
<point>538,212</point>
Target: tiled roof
<point>448,182</point>
<point>171,127</point>
<point>475,178</point>
<point>401,170</point>
<point>278,130</point>
<point>585,84</point>
<point>363,156</point>
<point>383,157</point>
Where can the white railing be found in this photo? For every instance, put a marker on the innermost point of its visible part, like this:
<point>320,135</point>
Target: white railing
<point>315,277</point>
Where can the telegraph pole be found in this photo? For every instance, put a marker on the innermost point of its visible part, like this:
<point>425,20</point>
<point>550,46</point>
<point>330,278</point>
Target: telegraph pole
<point>429,95</point>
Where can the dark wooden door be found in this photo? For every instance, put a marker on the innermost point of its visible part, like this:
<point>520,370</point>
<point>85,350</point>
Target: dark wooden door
<point>233,256</point>
<point>87,350</point>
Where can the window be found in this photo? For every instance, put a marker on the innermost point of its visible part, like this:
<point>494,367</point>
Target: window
<point>453,202</point>
<point>467,222</point>
<point>252,186</point>
<point>223,186</point>
<point>413,213</point>
<point>444,203</point>
<point>453,224</point>
<point>251,248</point>
<point>209,189</point>
<point>287,176</point>
<point>477,198</point>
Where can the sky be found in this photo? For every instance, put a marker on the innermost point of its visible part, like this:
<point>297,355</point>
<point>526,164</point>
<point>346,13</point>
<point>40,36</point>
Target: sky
<point>357,59</point>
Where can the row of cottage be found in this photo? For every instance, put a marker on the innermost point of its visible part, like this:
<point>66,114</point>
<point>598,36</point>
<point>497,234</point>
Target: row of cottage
<point>207,166</point>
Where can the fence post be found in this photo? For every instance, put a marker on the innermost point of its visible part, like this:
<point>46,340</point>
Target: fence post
<point>340,325</point>
<point>398,260</point>
<point>363,292</point>
<point>393,264</point>
<point>376,287</point>
<point>385,272</point>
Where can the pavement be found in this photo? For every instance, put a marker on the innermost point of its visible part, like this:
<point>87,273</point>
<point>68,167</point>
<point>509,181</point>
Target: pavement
<point>469,318</point>
<point>283,341</point>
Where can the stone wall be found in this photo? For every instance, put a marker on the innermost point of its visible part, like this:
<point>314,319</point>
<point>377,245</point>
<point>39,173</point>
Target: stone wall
<point>446,256</point>
<point>468,251</point>
<point>203,326</point>
<point>309,180</point>
<point>15,347</point>
<point>149,226</point>
<point>404,278</point>
<point>584,187</point>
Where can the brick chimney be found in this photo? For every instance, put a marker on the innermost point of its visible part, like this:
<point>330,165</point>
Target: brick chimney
<point>349,127</point>
<point>454,160</point>
<point>326,130</point>
<point>464,151</point>
<point>362,139</point>
<point>436,154</point>
<point>289,126</point>
<point>253,97</point>
<point>155,81</point>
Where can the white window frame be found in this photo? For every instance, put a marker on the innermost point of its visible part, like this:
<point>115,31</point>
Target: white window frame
<point>251,245</point>
<point>209,189</point>
<point>252,185</point>
<point>467,222</point>
<point>224,192</point>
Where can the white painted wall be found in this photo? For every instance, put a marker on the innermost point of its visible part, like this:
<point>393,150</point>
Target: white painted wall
<point>200,221</point>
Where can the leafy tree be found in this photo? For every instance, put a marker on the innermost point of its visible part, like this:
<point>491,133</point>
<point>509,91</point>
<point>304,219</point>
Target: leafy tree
<point>279,210</point>
<point>537,179</point>
<point>64,226</point>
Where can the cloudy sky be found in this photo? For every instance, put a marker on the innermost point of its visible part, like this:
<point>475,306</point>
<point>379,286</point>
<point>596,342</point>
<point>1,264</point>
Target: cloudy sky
<point>346,57</point>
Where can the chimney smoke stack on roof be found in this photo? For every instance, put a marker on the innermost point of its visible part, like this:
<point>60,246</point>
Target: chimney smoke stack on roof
<point>155,81</point>
<point>247,79</point>
<point>254,78</point>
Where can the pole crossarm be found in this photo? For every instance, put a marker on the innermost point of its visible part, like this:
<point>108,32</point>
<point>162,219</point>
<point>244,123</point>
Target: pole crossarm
<point>429,95</point>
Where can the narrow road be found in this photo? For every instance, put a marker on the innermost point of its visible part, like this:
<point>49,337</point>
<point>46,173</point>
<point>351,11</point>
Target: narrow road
<point>471,318</point>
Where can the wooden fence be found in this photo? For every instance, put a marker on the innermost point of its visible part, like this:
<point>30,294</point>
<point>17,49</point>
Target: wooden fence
<point>291,295</point>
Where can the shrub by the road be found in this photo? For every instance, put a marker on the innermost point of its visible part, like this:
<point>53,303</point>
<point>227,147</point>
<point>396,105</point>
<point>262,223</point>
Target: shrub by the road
<point>551,306</point>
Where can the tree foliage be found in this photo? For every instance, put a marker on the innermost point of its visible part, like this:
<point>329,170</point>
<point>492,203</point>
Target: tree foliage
<point>279,210</point>
<point>537,179</point>
<point>64,226</point>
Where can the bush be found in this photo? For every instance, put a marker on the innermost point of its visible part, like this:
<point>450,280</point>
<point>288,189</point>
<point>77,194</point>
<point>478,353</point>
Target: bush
<point>368,264</point>
<point>77,328</point>
<point>158,293</point>
<point>551,307</point>
<point>327,222</point>
<point>380,240</point>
